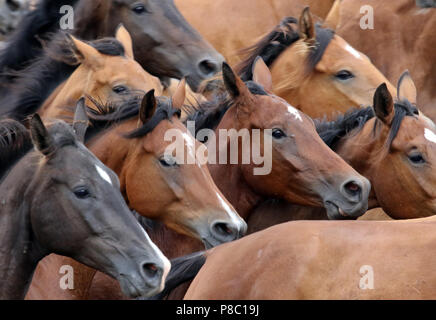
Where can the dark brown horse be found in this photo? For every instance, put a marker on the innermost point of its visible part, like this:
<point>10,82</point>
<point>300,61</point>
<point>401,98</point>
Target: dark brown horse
<point>61,198</point>
<point>183,197</point>
<point>164,43</point>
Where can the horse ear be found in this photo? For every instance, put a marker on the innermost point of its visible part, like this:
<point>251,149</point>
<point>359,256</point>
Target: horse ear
<point>306,26</point>
<point>81,120</point>
<point>179,95</point>
<point>406,89</point>
<point>384,104</point>
<point>148,106</point>
<point>123,36</point>
<point>234,85</point>
<point>40,136</point>
<point>87,53</point>
<point>262,74</point>
<point>332,19</point>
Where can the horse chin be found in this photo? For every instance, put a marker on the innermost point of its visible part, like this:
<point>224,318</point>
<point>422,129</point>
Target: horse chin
<point>133,291</point>
<point>334,212</point>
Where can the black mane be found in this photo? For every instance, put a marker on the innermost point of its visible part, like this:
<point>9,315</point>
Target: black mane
<point>33,85</point>
<point>106,116</point>
<point>277,41</point>
<point>15,142</point>
<point>331,132</point>
<point>24,45</point>
<point>208,114</point>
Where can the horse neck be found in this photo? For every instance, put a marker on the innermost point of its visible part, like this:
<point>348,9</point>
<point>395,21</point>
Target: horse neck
<point>229,178</point>
<point>360,150</point>
<point>19,252</point>
<point>67,93</point>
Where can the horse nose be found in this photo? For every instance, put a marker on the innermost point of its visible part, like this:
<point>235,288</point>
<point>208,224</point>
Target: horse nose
<point>352,190</point>
<point>152,273</point>
<point>208,67</point>
<point>225,232</point>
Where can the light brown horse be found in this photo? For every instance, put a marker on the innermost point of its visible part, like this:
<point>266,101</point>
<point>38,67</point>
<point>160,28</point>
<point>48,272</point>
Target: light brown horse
<point>315,70</point>
<point>235,25</point>
<point>406,33</point>
<point>182,196</point>
<point>324,260</point>
<point>391,145</point>
<point>303,169</point>
<point>107,76</point>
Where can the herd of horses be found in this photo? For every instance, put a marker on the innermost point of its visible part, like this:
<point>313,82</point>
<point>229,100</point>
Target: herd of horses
<point>85,181</point>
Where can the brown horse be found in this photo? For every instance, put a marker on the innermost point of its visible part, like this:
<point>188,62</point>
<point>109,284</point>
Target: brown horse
<point>164,43</point>
<point>61,198</point>
<point>315,70</point>
<point>114,76</point>
<point>399,26</point>
<point>391,145</point>
<point>238,24</point>
<point>183,197</point>
<point>303,169</point>
<point>102,70</point>
<point>322,260</point>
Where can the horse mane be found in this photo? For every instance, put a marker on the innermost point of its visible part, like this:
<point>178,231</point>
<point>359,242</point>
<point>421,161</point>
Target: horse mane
<point>34,84</point>
<point>208,114</point>
<point>105,116</point>
<point>350,123</point>
<point>15,142</point>
<point>24,45</point>
<point>271,46</point>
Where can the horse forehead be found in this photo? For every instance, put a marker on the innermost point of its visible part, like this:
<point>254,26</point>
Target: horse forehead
<point>278,107</point>
<point>339,51</point>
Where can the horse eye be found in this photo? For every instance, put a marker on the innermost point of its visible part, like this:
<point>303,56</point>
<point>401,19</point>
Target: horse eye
<point>344,75</point>
<point>416,158</point>
<point>167,161</point>
<point>82,193</point>
<point>278,133</point>
<point>119,89</point>
<point>139,9</point>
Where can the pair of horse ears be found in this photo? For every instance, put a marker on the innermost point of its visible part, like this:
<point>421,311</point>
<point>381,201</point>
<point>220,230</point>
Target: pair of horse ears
<point>88,54</point>
<point>237,88</point>
<point>384,103</point>
<point>42,139</point>
<point>149,102</point>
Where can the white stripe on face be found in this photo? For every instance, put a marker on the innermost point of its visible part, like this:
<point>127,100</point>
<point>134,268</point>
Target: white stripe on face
<point>294,112</point>
<point>105,176</point>
<point>430,135</point>
<point>232,214</point>
<point>353,51</point>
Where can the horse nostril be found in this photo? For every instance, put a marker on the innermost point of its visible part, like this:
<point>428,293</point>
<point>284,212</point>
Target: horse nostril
<point>353,188</point>
<point>150,270</point>
<point>13,5</point>
<point>208,67</point>
<point>224,232</point>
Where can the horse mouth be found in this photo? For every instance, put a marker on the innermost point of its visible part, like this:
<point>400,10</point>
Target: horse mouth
<point>131,290</point>
<point>334,212</point>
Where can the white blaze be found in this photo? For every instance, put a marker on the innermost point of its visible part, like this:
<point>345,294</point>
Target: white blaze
<point>430,135</point>
<point>353,51</point>
<point>294,112</point>
<point>103,174</point>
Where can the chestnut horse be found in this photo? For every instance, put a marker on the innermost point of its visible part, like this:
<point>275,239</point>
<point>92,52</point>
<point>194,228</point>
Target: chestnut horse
<point>391,145</point>
<point>322,260</point>
<point>303,169</point>
<point>60,198</point>
<point>183,197</point>
<point>164,43</point>
<point>114,76</point>
<point>315,70</point>
<point>399,26</point>
<point>238,24</point>
<point>103,70</point>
